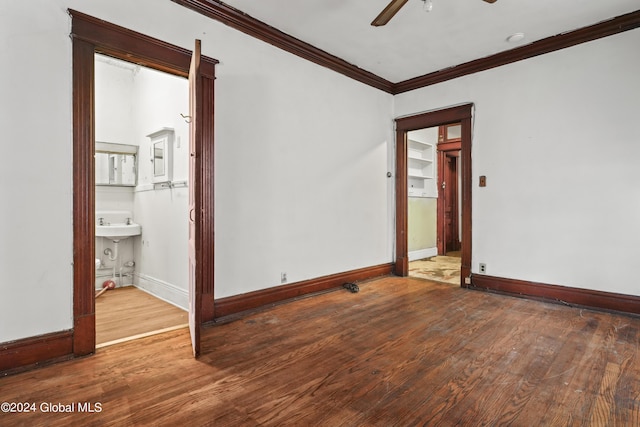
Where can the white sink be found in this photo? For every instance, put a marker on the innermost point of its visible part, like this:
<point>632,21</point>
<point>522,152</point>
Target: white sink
<point>117,232</point>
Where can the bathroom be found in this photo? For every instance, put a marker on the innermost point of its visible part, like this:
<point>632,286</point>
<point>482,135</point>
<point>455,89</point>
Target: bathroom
<point>142,171</point>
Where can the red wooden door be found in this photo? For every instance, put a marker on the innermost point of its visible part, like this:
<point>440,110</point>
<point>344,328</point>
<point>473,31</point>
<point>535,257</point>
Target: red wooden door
<point>195,202</point>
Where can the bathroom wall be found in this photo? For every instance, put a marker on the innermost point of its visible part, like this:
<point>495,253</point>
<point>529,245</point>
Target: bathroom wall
<point>556,137</point>
<point>302,155</point>
<point>152,100</point>
<point>162,255</point>
<point>114,108</point>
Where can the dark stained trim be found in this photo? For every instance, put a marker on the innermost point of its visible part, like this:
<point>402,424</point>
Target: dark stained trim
<point>550,44</point>
<point>206,192</point>
<point>240,21</point>
<point>560,294</point>
<point>245,23</point>
<point>120,42</point>
<point>402,202</point>
<point>90,35</point>
<point>459,114</point>
<point>265,297</point>
<point>28,353</point>
<point>83,199</point>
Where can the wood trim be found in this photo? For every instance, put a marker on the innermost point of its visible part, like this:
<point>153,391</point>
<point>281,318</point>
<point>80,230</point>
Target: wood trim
<point>402,203</point>
<point>91,35</point>
<point>240,21</point>
<point>119,42</point>
<point>257,299</point>
<point>458,114</point>
<point>434,118</point>
<point>24,354</point>
<point>467,183</point>
<point>83,199</point>
<point>449,146</point>
<point>613,26</point>
<point>207,199</point>
<point>442,150</point>
<point>559,294</point>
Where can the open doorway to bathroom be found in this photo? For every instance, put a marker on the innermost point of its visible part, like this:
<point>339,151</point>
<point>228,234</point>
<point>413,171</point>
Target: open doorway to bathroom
<point>439,223</point>
<point>141,176</point>
<point>92,35</point>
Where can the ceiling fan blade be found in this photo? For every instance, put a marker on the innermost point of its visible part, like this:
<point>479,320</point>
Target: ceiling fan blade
<point>388,12</point>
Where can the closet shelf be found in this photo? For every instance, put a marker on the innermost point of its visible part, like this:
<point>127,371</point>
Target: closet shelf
<point>413,175</point>
<point>420,159</point>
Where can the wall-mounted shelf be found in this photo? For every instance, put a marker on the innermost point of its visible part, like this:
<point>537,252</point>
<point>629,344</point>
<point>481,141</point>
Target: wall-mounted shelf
<point>420,167</point>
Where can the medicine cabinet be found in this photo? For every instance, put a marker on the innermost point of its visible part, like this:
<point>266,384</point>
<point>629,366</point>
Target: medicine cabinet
<point>161,154</point>
<point>115,164</point>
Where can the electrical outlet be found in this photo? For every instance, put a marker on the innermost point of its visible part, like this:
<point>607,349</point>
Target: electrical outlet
<point>483,268</point>
<point>283,277</point>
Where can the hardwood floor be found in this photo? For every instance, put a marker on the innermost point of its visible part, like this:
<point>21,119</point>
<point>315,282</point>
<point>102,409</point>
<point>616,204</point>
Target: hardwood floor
<point>400,352</point>
<point>127,312</point>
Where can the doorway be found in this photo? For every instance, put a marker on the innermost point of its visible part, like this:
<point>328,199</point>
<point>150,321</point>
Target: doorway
<point>458,160</point>
<point>434,203</point>
<point>142,162</point>
<point>90,36</point>
<point>450,185</point>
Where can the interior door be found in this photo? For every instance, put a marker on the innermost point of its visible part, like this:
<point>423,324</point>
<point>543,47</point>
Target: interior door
<point>195,201</point>
<point>450,192</point>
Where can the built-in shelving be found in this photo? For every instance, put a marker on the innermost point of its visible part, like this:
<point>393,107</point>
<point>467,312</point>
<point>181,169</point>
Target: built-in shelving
<point>420,167</point>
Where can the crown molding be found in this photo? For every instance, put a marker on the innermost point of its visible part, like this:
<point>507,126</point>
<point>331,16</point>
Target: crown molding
<point>241,21</point>
<point>140,49</point>
<point>613,26</point>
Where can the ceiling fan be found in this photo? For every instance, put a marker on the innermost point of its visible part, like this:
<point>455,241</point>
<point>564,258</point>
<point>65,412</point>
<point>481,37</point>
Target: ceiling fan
<point>393,8</point>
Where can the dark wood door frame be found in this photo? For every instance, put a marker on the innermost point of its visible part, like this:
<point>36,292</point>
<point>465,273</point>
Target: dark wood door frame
<point>450,151</point>
<point>90,36</point>
<point>404,125</point>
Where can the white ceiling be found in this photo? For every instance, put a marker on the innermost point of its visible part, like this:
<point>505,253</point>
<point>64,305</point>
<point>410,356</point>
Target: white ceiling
<point>416,42</point>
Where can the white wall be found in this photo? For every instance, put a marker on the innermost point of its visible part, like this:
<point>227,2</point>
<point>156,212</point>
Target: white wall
<point>132,102</point>
<point>162,250</point>
<point>114,87</point>
<point>557,138</point>
<point>301,161</point>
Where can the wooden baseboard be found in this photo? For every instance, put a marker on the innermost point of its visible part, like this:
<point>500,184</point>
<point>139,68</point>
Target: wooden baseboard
<point>562,294</point>
<point>24,354</point>
<point>253,300</point>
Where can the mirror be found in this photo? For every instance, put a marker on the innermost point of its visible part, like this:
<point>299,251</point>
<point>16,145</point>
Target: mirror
<point>161,154</point>
<point>116,164</point>
<point>158,158</point>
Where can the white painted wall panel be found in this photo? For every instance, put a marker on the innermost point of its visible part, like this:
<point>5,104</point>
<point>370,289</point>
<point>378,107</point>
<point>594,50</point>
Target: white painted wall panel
<point>557,138</point>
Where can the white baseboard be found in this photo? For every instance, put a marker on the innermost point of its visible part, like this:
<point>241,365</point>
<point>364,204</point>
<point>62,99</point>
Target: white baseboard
<point>423,253</point>
<point>163,290</point>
